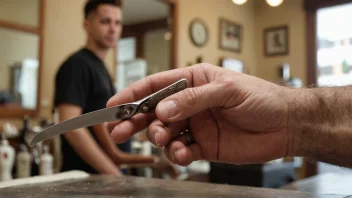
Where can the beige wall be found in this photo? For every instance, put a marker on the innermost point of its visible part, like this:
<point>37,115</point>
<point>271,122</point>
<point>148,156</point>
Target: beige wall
<point>210,11</point>
<point>290,13</point>
<point>63,35</point>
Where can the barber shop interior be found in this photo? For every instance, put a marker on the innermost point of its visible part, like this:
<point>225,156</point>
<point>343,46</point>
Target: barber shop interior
<point>175,98</point>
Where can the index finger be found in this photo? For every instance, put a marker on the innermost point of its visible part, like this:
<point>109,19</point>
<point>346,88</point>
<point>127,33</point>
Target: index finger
<point>149,85</point>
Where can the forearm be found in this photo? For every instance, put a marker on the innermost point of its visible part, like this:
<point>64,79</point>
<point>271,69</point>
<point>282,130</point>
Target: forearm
<point>105,141</point>
<point>125,158</point>
<point>89,151</point>
<point>320,121</point>
<point>111,149</point>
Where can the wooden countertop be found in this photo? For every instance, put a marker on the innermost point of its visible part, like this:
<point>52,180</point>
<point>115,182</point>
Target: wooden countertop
<point>107,186</point>
<point>326,183</point>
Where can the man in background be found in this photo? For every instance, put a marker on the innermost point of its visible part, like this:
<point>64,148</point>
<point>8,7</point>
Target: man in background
<point>82,85</point>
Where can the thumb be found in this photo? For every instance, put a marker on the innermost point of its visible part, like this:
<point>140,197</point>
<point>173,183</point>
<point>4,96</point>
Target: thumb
<point>190,101</point>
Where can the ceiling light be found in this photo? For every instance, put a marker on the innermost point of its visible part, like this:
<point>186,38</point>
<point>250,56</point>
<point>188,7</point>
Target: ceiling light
<point>274,3</point>
<point>239,2</point>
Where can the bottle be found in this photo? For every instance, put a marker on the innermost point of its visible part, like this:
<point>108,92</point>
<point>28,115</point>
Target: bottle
<point>7,159</point>
<point>24,162</point>
<point>24,137</point>
<point>46,162</point>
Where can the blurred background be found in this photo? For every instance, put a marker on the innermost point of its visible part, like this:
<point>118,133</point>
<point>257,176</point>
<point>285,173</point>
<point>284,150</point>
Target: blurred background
<point>296,43</point>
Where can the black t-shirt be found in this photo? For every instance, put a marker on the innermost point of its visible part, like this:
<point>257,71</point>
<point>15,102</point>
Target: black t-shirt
<point>83,80</point>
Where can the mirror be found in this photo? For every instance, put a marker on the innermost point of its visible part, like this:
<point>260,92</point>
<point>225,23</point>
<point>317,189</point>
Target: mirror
<point>18,68</point>
<point>20,41</point>
<point>20,11</point>
<point>145,45</point>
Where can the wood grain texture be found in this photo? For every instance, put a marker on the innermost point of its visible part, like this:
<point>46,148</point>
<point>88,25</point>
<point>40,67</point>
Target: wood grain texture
<point>326,183</point>
<point>107,186</point>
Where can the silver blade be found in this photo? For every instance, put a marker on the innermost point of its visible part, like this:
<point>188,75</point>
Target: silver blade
<point>85,120</point>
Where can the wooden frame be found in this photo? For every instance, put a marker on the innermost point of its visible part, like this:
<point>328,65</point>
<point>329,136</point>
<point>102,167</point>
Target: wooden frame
<point>235,25</point>
<point>12,112</point>
<point>311,45</point>
<point>281,31</point>
<point>174,10</point>
<point>314,5</point>
<point>202,22</point>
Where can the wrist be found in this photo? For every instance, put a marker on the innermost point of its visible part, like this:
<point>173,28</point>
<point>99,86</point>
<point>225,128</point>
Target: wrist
<point>301,121</point>
<point>313,118</point>
<point>111,170</point>
<point>319,121</point>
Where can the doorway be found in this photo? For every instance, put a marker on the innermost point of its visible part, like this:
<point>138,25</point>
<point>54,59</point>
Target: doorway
<point>146,43</point>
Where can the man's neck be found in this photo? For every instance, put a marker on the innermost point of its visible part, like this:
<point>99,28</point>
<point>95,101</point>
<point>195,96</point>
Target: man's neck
<point>99,52</point>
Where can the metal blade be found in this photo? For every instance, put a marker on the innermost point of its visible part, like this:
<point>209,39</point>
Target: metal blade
<point>85,120</point>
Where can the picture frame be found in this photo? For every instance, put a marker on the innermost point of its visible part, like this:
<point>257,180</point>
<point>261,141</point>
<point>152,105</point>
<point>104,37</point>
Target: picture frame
<point>230,35</point>
<point>276,41</point>
<point>232,64</point>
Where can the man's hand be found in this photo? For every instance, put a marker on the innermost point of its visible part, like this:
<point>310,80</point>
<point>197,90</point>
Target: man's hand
<point>233,117</point>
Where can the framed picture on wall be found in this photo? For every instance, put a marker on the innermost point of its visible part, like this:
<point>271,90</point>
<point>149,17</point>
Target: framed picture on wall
<point>276,41</point>
<point>232,64</point>
<point>230,35</point>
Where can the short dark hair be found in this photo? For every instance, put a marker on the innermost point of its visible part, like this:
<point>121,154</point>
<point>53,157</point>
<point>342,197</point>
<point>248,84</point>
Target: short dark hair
<point>92,5</point>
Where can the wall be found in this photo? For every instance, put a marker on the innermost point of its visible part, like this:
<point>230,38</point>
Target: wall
<point>289,13</point>
<point>210,11</point>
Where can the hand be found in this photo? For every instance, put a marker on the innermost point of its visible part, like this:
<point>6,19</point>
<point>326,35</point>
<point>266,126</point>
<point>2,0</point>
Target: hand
<point>233,117</point>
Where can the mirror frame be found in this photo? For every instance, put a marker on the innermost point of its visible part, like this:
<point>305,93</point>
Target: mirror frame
<point>14,112</point>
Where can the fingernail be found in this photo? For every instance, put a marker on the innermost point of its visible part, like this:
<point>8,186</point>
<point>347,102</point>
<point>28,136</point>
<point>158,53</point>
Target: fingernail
<point>157,138</point>
<point>168,109</point>
<point>178,154</point>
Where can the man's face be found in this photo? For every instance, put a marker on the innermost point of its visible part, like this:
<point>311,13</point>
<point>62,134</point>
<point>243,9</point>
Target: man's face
<point>104,25</point>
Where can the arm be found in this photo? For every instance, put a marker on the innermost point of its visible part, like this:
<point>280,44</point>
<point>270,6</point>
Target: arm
<point>84,145</point>
<point>115,154</point>
<point>241,119</point>
<point>321,121</point>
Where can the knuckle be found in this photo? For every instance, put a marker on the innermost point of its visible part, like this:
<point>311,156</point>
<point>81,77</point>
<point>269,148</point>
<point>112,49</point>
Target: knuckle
<point>193,96</point>
<point>148,82</point>
<point>226,82</point>
<point>207,65</point>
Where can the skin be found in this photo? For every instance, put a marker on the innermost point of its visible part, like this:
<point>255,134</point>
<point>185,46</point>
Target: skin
<point>240,119</point>
<point>103,28</point>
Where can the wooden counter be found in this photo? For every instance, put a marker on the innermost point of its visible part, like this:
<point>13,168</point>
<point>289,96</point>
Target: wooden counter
<point>107,186</point>
<point>326,183</point>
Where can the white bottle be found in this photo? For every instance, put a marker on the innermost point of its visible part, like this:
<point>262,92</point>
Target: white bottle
<point>24,162</point>
<point>7,159</point>
<point>46,162</point>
